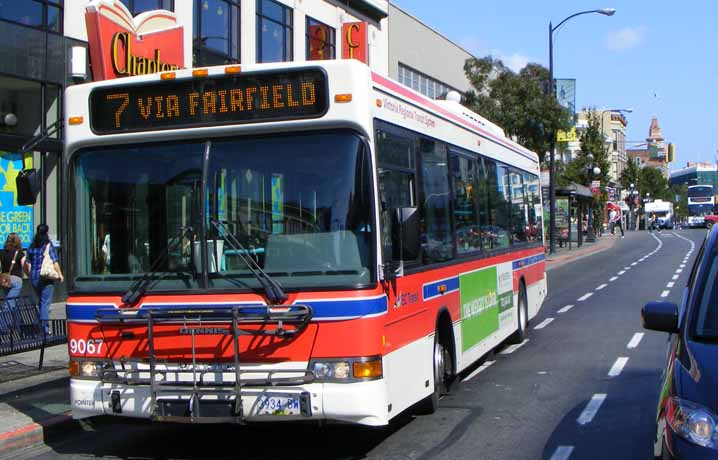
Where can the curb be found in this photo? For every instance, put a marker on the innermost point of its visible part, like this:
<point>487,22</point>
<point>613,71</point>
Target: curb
<point>36,433</point>
<point>551,264</point>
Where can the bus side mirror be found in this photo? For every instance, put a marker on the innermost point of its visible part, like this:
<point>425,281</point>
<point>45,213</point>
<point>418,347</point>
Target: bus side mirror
<point>408,239</point>
<point>28,183</point>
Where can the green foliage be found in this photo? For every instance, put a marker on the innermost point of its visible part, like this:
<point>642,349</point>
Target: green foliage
<point>680,205</point>
<point>631,175</point>
<point>519,103</point>
<point>652,181</point>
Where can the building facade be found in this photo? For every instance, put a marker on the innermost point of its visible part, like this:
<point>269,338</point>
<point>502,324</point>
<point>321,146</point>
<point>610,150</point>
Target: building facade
<point>696,174</point>
<point>654,154</point>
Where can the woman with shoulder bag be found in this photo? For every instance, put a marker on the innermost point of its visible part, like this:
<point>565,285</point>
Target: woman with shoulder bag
<point>44,269</point>
<point>12,260</point>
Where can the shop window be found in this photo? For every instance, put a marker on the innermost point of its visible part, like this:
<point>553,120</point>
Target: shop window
<point>23,99</point>
<point>216,32</point>
<point>274,32</point>
<point>321,40</point>
<point>140,6</point>
<point>41,14</point>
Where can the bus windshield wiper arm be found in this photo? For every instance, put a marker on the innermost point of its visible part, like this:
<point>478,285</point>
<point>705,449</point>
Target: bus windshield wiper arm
<point>272,288</point>
<point>139,288</point>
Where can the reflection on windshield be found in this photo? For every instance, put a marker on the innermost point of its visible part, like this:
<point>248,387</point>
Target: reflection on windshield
<point>299,205</point>
<point>705,324</point>
<point>700,209</point>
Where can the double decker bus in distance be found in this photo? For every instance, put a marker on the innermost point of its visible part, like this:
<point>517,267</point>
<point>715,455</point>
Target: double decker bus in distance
<point>289,242</point>
<point>701,202</point>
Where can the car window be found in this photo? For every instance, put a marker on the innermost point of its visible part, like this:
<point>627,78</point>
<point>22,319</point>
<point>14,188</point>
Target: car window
<point>705,322</point>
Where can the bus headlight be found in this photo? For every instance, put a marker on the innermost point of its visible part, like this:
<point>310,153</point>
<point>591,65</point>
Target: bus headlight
<point>347,370</point>
<point>86,369</point>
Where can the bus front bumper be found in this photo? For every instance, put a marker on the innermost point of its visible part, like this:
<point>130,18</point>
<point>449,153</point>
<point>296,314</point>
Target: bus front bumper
<point>363,403</point>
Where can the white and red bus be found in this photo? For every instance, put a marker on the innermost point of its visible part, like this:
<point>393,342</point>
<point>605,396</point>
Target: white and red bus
<point>289,242</point>
<point>701,202</point>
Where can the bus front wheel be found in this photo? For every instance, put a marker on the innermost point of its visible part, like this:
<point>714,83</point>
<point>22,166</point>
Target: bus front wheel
<point>522,313</point>
<point>441,363</point>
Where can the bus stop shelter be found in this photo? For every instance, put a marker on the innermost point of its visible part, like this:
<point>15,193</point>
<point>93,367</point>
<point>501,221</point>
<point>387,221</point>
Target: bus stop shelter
<point>573,203</point>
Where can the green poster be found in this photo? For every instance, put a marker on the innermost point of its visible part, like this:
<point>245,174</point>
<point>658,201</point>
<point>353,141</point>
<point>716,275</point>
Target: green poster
<point>479,306</point>
<point>561,212</point>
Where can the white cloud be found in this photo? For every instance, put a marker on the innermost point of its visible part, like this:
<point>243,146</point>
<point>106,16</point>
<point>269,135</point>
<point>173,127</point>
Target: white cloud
<point>626,38</point>
<point>515,62</point>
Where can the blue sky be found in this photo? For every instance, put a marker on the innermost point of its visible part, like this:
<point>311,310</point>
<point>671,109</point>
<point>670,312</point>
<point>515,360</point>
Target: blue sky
<point>656,57</point>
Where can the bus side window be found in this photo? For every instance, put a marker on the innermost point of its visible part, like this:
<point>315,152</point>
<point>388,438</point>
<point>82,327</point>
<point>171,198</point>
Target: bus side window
<point>397,182</point>
<point>437,240</point>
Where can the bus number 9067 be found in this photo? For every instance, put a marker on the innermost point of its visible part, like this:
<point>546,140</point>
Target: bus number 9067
<point>87,347</point>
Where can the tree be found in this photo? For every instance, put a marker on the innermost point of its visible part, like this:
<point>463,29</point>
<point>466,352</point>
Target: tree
<point>519,103</point>
<point>680,205</point>
<point>631,175</point>
<point>654,182</point>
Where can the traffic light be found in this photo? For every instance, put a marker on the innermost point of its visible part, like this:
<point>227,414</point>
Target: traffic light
<point>670,153</point>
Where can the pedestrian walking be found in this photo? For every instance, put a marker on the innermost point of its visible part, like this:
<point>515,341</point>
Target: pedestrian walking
<point>615,220</point>
<point>43,267</point>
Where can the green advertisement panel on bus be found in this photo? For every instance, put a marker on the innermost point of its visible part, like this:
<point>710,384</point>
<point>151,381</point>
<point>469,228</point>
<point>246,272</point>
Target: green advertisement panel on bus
<point>486,301</point>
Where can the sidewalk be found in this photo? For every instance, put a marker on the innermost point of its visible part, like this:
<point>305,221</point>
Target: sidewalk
<point>564,255</point>
<point>34,404</point>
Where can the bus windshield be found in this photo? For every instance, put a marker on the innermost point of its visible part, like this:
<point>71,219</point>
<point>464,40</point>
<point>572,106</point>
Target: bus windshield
<point>299,204</point>
<point>700,209</point>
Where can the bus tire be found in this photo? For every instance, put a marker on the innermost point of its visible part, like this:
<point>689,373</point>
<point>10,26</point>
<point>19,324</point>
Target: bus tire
<point>441,364</point>
<point>522,313</point>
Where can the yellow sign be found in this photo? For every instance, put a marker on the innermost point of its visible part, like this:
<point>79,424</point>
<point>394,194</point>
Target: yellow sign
<point>563,136</point>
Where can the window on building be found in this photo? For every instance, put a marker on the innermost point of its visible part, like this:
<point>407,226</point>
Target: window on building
<point>426,85</point>
<point>274,32</point>
<point>321,40</point>
<point>216,32</point>
<point>140,6</point>
<point>21,98</point>
<point>41,14</point>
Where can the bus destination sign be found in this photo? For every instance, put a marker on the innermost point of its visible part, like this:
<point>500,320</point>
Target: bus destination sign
<point>209,101</point>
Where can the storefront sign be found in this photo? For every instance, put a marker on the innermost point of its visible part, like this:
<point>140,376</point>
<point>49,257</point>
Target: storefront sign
<point>13,217</point>
<point>611,193</point>
<point>570,136</point>
<point>355,41</point>
<point>319,39</point>
<point>122,45</point>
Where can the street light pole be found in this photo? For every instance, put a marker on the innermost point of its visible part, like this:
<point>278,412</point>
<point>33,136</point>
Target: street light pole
<point>593,170</point>
<point>552,143</point>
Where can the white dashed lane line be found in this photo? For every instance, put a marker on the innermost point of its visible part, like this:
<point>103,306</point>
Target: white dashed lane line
<point>601,286</point>
<point>617,367</point>
<point>585,296</point>
<point>665,293</point>
<point>513,348</point>
<point>565,309</point>
<point>634,264</point>
<point>675,277</point>
<point>680,270</point>
<point>562,453</point>
<point>544,323</point>
<point>671,284</point>
<point>622,272</point>
<point>635,340</point>
<point>481,368</point>
<point>591,409</point>
<point>613,278</point>
<point>626,268</point>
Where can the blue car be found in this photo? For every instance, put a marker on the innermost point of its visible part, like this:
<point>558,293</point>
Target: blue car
<point>687,415</point>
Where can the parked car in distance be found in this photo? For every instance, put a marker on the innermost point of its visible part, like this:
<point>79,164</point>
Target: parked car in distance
<point>687,415</point>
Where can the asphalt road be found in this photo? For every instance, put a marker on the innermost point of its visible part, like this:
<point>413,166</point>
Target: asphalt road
<point>584,386</point>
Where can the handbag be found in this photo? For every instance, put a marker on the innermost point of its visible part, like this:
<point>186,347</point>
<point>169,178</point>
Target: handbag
<point>5,278</point>
<point>47,269</point>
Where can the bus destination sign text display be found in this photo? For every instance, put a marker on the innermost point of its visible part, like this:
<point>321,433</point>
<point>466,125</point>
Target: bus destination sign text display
<point>209,101</point>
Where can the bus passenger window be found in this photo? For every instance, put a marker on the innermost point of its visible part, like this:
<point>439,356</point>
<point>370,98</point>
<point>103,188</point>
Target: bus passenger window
<point>467,232</point>
<point>519,211</point>
<point>437,242</point>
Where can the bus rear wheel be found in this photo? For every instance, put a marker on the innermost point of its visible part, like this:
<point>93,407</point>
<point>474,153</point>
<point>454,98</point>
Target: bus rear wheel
<point>441,363</point>
<point>522,314</point>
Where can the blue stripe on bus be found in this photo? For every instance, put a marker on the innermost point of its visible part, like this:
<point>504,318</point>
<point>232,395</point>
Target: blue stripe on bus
<point>431,290</point>
<point>329,309</point>
<point>523,263</point>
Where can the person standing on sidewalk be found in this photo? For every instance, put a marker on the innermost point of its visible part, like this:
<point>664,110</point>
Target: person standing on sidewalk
<point>615,219</point>
<point>40,248</point>
<point>12,259</point>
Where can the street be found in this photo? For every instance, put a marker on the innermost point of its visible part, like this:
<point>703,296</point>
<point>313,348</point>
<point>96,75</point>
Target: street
<point>583,386</point>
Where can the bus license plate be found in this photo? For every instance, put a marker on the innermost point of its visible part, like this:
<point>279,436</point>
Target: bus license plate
<point>278,405</point>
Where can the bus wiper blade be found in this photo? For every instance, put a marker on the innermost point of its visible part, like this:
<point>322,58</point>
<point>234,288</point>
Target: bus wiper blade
<point>274,291</point>
<point>140,287</point>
